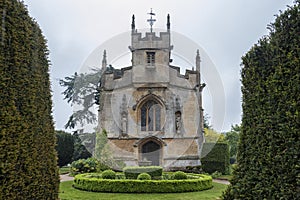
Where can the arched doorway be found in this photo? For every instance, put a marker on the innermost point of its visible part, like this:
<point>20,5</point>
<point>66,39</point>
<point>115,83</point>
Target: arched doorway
<point>151,152</point>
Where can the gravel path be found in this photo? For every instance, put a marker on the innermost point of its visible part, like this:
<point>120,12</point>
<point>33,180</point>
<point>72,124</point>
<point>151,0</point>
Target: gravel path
<point>66,177</point>
<point>221,181</point>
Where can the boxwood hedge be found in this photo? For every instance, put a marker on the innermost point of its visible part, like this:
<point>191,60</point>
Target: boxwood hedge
<point>84,182</point>
<point>133,172</point>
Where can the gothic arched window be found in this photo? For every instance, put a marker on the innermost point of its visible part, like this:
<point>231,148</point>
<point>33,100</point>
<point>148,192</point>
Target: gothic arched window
<point>151,116</point>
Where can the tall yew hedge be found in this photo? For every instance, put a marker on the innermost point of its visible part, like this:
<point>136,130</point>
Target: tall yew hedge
<point>216,157</point>
<point>268,153</point>
<point>28,161</point>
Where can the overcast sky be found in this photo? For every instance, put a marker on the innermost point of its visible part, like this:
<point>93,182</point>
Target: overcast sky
<point>225,30</point>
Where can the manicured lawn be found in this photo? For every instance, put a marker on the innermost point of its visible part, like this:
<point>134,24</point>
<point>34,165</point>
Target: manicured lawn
<point>67,192</point>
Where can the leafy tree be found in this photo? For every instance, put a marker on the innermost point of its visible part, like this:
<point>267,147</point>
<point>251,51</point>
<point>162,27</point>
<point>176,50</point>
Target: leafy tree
<point>28,160</point>
<point>268,153</point>
<point>65,148</point>
<point>82,91</point>
<point>89,141</point>
<point>232,138</point>
<point>206,122</point>
<point>213,136</point>
<point>70,148</point>
<point>80,151</point>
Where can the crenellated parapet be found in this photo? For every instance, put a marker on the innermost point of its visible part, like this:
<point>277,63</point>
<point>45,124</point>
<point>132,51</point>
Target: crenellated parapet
<point>150,41</point>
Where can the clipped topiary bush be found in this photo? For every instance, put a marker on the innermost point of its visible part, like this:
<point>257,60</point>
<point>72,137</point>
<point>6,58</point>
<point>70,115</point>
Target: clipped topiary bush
<point>108,174</point>
<point>144,176</point>
<point>179,175</point>
<point>133,172</point>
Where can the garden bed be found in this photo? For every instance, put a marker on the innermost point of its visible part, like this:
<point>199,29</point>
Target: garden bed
<point>94,182</point>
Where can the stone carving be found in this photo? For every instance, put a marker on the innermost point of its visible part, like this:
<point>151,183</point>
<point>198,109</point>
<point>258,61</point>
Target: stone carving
<point>178,122</point>
<point>178,119</point>
<point>124,117</point>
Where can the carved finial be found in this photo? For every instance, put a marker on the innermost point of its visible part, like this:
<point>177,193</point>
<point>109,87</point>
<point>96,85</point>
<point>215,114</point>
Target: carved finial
<point>168,22</point>
<point>104,61</point>
<point>198,61</point>
<point>133,24</point>
<point>151,20</point>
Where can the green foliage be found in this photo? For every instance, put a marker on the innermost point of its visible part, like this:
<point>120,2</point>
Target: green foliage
<point>102,167</point>
<point>215,157</point>
<point>216,174</point>
<point>64,148</point>
<point>84,182</point>
<point>206,122</point>
<point>64,170</point>
<point>89,141</point>
<point>84,166</point>
<point>70,148</point>
<point>80,151</point>
<point>144,176</point>
<point>108,174</point>
<point>82,91</point>
<point>268,153</point>
<point>179,175</point>
<point>68,192</point>
<point>232,138</point>
<point>133,172</point>
<point>104,154</point>
<point>101,141</point>
<point>213,136</point>
<point>28,160</point>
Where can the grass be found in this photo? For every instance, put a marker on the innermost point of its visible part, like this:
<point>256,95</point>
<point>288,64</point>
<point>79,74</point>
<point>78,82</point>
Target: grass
<point>64,170</point>
<point>67,192</point>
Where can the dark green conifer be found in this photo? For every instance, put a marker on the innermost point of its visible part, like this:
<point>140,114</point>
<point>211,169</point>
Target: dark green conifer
<point>28,161</point>
<point>268,153</point>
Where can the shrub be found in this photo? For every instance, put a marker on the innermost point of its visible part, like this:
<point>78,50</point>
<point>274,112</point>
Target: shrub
<point>216,174</point>
<point>84,166</point>
<point>232,160</point>
<point>83,182</point>
<point>102,167</point>
<point>133,172</point>
<point>108,174</point>
<point>179,175</point>
<point>144,176</point>
<point>216,157</point>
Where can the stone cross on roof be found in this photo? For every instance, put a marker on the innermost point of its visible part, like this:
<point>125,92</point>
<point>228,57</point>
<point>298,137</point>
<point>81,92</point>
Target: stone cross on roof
<point>151,20</point>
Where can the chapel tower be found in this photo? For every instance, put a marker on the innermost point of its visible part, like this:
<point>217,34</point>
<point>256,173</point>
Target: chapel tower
<point>152,113</point>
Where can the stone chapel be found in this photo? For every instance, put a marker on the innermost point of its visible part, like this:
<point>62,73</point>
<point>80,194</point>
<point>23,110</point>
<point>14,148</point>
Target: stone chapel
<point>153,115</point>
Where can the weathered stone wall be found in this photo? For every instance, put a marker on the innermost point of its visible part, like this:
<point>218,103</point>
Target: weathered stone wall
<point>123,96</point>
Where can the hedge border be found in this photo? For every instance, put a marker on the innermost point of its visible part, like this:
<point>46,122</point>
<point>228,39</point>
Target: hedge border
<point>133,172</point>
<point>82,182</point>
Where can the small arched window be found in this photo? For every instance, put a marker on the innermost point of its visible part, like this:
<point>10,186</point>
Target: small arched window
<point>151,116</point>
